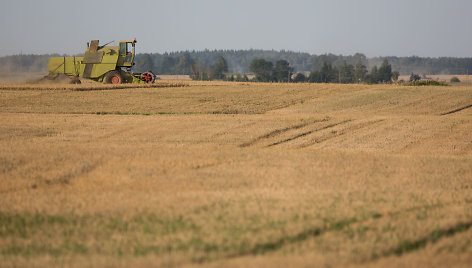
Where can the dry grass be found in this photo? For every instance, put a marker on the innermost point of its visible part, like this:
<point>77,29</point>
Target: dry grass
<point>174,77</point>
<point>236,174</point>
<point>193,98</point>
<point>91,85</point>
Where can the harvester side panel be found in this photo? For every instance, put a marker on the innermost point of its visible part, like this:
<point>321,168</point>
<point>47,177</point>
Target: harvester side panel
<point>93,57</point>
<point>98,63</point>
<point>98,70</point>
<point>65,65</point>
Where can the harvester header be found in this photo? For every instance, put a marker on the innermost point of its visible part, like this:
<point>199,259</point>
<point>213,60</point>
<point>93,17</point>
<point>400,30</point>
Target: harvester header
<point>107,64</point>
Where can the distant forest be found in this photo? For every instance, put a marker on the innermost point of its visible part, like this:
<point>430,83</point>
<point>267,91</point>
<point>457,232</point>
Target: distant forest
<point>238,61</point>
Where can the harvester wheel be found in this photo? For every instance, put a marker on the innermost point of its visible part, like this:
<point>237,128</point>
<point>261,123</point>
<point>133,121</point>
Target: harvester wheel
<point>148,77</point>
<point>113,77</point>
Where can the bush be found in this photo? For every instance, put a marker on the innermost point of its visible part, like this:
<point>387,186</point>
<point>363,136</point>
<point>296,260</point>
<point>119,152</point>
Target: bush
<point>455,80</point>
<point>414,77</point>
<point>425,83</point>
<point>299,78</point>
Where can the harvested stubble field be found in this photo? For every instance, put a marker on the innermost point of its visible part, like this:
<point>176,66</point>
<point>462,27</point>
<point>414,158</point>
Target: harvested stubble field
<point>215,174</point>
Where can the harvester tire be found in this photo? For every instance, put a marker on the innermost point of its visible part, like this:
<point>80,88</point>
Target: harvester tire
<point>113,77</point>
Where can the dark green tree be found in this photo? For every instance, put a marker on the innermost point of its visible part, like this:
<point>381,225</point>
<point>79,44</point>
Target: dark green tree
<point>184,64</point>
<point>282,71</point>
<point>144,63</point>
<point>360,72</point>
<point>346,74</point>
<point>262,70</point>
<point>299,78</point>
<point>395,76</point>
<point>167,65</point>
<point>199,71</point>
<point>315,77</point>
<point>373,77</point>
<point>328,73</point>
<point>414,77</point>
<point>385,72</point>
<point>221,68</point>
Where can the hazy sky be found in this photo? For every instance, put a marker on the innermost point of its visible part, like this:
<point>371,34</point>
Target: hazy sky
<point>373,27</point>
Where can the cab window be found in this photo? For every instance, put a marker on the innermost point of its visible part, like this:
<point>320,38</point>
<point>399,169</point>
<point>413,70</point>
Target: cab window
<point>123,48</point>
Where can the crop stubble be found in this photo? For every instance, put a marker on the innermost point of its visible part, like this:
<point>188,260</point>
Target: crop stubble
<point>236,174</point>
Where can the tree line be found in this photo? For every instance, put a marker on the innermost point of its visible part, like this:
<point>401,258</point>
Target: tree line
<point>238,61</point>
<point>266,71</point>
<point>281,71</point>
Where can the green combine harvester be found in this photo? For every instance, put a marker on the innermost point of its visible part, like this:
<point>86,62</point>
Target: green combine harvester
<point>107,64</point>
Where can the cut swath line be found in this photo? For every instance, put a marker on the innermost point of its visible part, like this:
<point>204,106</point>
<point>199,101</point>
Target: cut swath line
<point>308,133</point>
<point>114,133</point>
<point>402,248</point>
<point>340,133</point>
<point>263,248</point>
<point>63,179</point>
<point>418,102</point>
<point>278,132</point>
<point>457,110</point>
<point>222,133</point>
<point>414,245</point>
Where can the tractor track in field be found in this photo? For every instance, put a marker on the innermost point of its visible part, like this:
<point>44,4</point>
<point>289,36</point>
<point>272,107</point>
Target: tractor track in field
<point>62,179</point>
<point>280,131</point>
<point>402,248</point>
<point>138,127</point>
<point>339,133</point>
<point>224,132</point>
<point>426,100</point>
<point>308,133</point>
<point>115,133</point>
<point>409,246</point>
<point>457,110</point>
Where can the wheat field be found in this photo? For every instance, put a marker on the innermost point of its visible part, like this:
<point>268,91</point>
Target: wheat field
<point>223,174</point>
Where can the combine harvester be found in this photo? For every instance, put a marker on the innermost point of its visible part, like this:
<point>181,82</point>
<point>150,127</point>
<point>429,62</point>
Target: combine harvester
<point>106,64</point>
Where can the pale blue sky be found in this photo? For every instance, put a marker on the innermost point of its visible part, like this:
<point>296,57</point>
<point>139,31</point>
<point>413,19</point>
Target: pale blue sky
<point>373,27</point>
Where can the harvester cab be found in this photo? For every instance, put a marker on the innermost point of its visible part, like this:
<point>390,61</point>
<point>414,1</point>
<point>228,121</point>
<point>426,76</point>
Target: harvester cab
<point>107,64</point>
<point>127,53</point>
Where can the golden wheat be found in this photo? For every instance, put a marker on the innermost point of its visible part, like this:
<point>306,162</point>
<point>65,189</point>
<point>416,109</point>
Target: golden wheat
<point>236,174</point>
